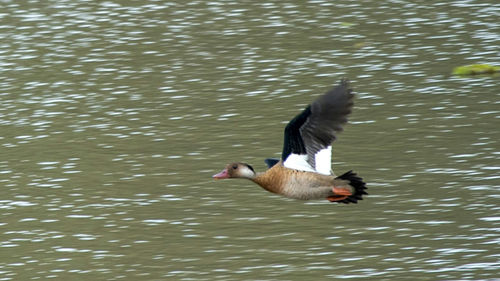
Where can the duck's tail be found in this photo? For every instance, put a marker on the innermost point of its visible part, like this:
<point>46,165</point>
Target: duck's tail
<point>357,183</point>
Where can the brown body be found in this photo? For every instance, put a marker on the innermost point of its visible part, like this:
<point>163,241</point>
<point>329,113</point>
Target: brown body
<point>298,184</point>
<point>292,183</point>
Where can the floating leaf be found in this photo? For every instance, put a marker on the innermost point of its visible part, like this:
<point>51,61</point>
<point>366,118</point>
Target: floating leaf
<point>476,69</point>
<point>347,24</point>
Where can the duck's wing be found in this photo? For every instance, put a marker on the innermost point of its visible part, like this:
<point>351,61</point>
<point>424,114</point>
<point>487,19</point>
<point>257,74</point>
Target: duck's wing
<point>270,162</point>
<point>308,136</point>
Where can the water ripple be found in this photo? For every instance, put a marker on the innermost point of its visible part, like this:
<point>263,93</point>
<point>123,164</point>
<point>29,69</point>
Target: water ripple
<point>114,116</point>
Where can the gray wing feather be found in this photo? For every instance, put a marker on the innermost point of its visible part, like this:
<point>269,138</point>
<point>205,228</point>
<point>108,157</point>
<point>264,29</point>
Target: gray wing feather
<point>328,115</point>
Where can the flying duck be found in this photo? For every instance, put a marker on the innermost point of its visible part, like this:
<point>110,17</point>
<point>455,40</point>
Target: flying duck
<point>304,170</point>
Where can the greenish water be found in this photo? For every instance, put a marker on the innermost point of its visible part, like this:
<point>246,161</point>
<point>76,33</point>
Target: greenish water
<point>114,116</point>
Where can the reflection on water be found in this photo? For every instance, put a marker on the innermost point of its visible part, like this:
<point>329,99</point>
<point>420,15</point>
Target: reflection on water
<point>115,114</point>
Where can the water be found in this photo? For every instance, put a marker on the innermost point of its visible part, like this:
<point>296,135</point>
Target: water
<point>114,116</point>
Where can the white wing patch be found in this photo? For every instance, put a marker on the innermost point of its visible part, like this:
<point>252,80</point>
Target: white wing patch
<point>323,161</point>
<point>298,162</point>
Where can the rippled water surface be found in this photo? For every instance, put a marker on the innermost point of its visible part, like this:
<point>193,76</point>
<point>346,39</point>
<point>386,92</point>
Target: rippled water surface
<point>114,116</point>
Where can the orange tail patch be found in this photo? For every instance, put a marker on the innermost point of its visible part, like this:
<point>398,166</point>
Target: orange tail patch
<point>336,198</point>
<point>342,191</point>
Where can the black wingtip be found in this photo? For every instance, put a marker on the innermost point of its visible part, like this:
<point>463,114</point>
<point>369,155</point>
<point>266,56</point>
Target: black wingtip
<point>359,187</point>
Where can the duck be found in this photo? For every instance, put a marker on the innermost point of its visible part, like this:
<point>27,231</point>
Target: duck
<point>304,171</point>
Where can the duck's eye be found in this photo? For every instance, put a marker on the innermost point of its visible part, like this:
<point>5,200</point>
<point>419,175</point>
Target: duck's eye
<point>235,166</point>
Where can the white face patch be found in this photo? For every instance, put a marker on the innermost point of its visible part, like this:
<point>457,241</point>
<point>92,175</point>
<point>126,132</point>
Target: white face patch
<point>246,172</point>
<point>323,160</point>
<point>298,162</point>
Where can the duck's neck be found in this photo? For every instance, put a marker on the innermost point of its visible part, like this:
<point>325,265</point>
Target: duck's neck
<point>271,180</point>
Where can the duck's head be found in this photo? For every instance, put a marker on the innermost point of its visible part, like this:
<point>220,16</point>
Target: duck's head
<point>236,170</point>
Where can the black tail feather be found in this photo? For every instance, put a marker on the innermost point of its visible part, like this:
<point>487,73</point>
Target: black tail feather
<point>357,183</point>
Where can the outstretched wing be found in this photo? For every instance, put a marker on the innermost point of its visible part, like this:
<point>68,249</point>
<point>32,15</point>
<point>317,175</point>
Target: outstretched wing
<point>308,136</point>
